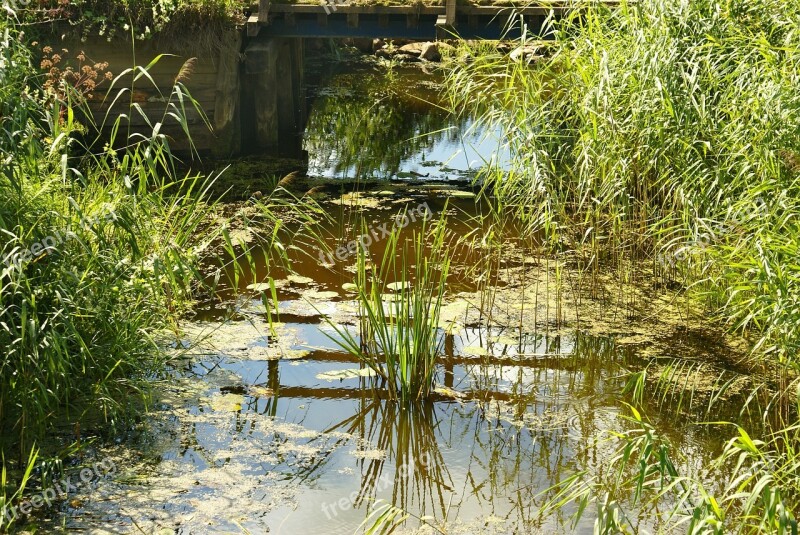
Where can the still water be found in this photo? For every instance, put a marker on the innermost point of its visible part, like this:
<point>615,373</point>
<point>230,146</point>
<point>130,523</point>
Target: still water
<point>255,432</point>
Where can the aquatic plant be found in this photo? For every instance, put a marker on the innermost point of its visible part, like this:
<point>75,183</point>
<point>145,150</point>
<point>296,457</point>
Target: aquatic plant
<point>661,132</point>
<point>758,492</point>
<point>398,337</point>
<point>661,137</point>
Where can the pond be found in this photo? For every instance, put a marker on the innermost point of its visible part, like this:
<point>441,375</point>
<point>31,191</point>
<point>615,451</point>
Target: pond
<point>257,428</point>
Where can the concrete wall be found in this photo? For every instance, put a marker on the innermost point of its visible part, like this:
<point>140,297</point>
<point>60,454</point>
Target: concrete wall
<point>214,81</point>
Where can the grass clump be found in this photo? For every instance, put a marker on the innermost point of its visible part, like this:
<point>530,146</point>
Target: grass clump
<point>98,255</point>
<point>663,136</point>
<point>665,132</point>
<point>398,338</point>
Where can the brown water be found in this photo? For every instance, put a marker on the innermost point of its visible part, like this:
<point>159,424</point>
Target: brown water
<point>252,436</point>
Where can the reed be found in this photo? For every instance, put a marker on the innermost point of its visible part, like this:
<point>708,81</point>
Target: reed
<point>662,133</point>
<point>398,338</point>
<point>100,254</point>
<point>661,138</point>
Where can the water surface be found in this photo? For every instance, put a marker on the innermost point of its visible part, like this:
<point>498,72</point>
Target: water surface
<point>252,436</point>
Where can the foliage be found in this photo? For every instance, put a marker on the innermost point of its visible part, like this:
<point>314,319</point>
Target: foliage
<point>66,80</point>
<point>398,339</point>
<point>667,133</point>
<point>99,253</point>
<point>758,494</point>
<point>356,124</point>
<point>142,19</point>
<point>664,131</point>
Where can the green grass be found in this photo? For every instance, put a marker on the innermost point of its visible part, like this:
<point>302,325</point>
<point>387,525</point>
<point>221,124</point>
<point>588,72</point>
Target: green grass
<point>102,257</point>
<point>662,138</point>
<point>665,132</point>
<point>398,339</point>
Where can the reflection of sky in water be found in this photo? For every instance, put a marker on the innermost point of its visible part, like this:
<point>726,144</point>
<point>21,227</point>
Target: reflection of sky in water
<point>454,154</point>
<point>488,461</point>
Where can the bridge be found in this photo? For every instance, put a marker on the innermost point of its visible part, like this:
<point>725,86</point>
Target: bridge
<point>253,89</point>
<point>273,47</point>
<point>334,18</point>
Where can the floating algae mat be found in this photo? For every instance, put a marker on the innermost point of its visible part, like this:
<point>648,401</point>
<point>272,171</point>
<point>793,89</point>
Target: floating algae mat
<point>265,425</point>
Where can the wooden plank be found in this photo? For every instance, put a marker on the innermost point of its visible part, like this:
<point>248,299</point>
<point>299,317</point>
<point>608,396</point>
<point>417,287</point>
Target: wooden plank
<point>443,30</point>
<point>285,90</point>
<point>261,66</point>
<point>263,11</point>
<point>489,11</point>
<point>363,10</point>
<point>542,7</point>
<point>253,26</point>
<point>204,95</point>
<point>450,13</point>
<point>227,127</point>
<point>298,80</point>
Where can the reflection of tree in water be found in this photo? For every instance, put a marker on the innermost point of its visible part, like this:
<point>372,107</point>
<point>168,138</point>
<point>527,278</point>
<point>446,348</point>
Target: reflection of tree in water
<point>369,122</point>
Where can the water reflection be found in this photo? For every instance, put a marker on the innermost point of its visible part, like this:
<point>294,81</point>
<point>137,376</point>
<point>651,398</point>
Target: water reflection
<point>247,442</point>
<point>370,121</point>
<point>468,460</point>
<point>471,459</point>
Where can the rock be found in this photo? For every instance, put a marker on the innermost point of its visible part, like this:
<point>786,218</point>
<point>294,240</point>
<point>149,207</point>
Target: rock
<point>430,52</point>
<point>412,49</point>
<point>406,58</point>
<point>378,44</point>
<point>526,54</point>
<point>383,53</point>
<point>363,45</point>
<point>444,45</point>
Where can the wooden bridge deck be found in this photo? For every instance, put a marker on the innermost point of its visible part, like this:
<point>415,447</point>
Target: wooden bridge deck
<point>337,18</point>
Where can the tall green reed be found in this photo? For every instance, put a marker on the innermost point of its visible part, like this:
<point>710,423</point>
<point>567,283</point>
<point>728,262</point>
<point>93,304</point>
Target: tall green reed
<point>101,253</point>
<point>661,137</point>
<point>662,133</point>
<point>398,337</point>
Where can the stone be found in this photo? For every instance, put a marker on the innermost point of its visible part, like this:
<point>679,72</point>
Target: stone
<point>378,44</point>
<point>526,54</point>
<point>412,49</point>
<point>363,44</point>
<point>430,52</point>
<point>406,58</point>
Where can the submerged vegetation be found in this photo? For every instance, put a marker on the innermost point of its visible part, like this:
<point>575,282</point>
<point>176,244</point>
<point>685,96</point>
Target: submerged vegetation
<point>663,137</point>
